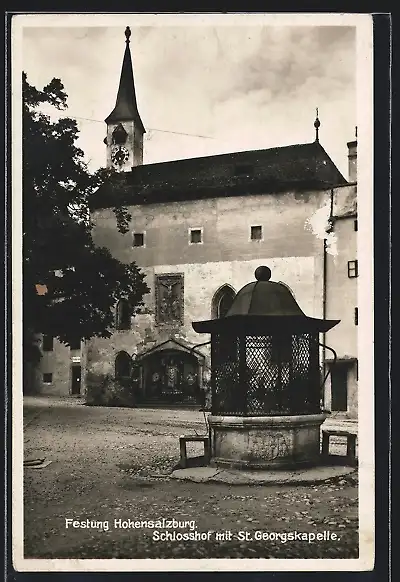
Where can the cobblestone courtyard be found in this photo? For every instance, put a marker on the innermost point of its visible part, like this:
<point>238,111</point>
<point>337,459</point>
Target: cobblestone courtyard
<point>113,464</point>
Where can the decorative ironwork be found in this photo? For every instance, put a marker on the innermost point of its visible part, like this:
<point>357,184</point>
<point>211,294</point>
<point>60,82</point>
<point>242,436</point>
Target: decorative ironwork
<point>169,299</point>
<point>258,375</point>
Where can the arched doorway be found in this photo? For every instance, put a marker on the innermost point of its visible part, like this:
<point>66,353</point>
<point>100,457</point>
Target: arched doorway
<point>171,376</point>
<point>123,367</point>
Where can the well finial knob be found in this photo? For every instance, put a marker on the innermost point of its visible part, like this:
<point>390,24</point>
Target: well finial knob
<point>262,273</point>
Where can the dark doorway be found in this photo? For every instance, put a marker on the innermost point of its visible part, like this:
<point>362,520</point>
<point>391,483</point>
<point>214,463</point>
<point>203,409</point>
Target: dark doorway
<point>123,365</point>
<point>76,380</point>
<point>339,387</point>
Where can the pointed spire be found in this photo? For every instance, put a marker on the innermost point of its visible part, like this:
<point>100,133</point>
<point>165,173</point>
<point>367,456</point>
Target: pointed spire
<point>317,125</point>
<point>126,106</point>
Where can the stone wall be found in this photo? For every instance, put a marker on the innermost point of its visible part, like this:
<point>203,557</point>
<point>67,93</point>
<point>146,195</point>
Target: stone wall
<point>294,226</point>
<point>226,255</point>
<point>201,283</point>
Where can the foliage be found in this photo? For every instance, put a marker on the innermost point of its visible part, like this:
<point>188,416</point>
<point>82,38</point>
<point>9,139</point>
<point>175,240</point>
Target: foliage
<point>82,282</point>
<point>107,391</point>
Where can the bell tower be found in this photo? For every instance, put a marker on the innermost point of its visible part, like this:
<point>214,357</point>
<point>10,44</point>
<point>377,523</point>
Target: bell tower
<point>125,129</point>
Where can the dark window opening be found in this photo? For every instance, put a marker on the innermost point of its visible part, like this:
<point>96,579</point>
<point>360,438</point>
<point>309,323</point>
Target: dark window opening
<point>119,135</point>
<point>244,170</point>
<point>48,343</point>
<point>123,363</point>
<point>47,378</point>
<point>356,225</point>
<point>123,315</point>
<point>339,387</point>
<point>356,316</point>
<point>352,269</point>
<point>138,239</point>
<point>256,233</point>
<point>225,302</point>
<point>195,236</point>
<point>222,302</point>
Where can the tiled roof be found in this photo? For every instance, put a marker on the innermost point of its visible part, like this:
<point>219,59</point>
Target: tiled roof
<point>126,107</point>
<point>295,167</point>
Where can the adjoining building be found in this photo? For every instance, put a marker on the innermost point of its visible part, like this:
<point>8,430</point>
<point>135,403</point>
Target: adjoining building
<point>199,229</point>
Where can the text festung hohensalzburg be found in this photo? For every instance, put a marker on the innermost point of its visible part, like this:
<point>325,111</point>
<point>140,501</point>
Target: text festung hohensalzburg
<point>119,523</point>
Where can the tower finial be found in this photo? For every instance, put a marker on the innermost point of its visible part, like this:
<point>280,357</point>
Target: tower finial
<point>317,125</point>
<point>127,34</point>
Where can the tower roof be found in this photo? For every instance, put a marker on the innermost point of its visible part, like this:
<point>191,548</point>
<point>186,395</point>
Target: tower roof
<point>126,108</point>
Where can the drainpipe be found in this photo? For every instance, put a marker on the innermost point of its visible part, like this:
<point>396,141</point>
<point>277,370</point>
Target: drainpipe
<point>324,285</point>
<point>324,272</point>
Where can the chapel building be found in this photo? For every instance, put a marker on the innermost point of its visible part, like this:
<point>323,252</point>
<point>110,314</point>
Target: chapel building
<point>199,229</point>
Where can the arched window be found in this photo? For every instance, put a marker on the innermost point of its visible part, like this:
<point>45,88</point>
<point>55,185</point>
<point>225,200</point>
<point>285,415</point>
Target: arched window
<point>123,315</point>
<point>222,301</point>
<point>123,363</point>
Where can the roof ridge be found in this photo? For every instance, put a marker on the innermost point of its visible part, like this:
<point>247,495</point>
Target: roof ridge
<point>235,153</point>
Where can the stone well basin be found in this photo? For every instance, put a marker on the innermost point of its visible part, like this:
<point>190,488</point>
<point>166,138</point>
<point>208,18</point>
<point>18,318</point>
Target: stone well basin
<point>265,442</point>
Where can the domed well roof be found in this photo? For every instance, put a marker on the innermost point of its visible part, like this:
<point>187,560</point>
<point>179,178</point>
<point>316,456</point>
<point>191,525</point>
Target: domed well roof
<point>264,306</point>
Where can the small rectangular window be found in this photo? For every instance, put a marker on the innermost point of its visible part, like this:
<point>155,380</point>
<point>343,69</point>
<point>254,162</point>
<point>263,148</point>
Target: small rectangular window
<point>47,378</point>
<point>356,316</point>
<point>196,236</point>
<point>256,233</point>
<point>352,269</point>
<point>138,239</point>
<point>47,343</point>
<point>356,225</point>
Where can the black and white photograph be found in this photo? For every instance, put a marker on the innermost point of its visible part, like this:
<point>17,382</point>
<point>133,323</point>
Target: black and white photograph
<point>192,292</point>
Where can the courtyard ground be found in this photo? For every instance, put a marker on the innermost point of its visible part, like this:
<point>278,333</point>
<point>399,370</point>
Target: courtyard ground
<point>114,464</point>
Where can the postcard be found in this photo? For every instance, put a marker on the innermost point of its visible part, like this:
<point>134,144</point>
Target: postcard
<point>192,263</point>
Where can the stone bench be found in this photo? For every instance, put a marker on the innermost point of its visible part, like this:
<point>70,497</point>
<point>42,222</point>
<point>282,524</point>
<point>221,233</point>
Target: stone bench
<point>351,442</point>
<point>184,439</point>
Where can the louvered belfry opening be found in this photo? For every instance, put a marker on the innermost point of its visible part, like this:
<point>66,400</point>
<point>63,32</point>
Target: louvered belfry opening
<point>259,375</point>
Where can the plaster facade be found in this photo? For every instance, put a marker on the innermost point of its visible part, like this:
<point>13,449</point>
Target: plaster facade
<point>291,245</point>
<point>225,256</point>
<point>59,362</point>
<point>342,297</point>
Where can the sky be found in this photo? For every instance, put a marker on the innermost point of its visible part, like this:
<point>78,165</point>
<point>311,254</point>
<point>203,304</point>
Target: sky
<point>241,87</point>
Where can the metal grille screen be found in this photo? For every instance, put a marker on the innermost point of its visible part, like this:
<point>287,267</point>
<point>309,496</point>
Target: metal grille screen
<point>257,375</point>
